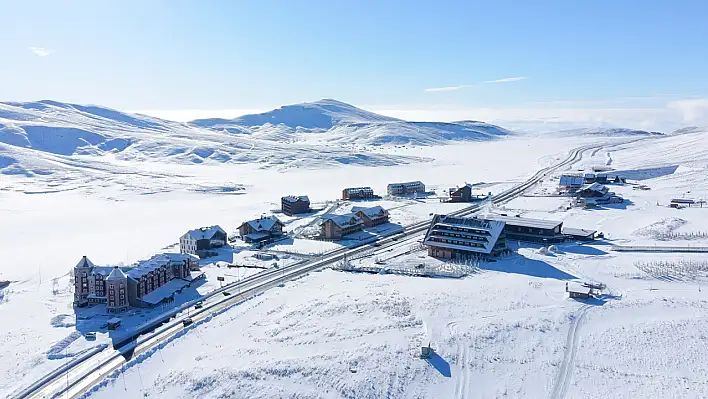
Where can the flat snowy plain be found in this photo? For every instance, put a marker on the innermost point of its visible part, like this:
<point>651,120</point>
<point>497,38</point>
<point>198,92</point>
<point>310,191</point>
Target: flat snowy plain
<point>506,331</point>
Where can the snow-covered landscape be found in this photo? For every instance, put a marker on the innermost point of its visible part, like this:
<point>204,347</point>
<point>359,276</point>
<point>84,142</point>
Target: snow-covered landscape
<point>118,187</point>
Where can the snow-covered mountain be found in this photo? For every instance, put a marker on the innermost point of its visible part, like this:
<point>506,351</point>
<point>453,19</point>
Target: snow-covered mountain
<point>40,137</point>
<point>337,123</point>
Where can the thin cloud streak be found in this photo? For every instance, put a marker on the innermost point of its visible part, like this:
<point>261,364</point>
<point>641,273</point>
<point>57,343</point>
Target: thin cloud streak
<point>458,87</point>
<point>505,80</point>
<point>41,51</point>
<point>448,88</point>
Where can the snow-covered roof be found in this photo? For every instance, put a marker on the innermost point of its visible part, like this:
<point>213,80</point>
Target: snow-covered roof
<point>525,222</point>
<point>596,187</point>
<point>371,212</point>
<point>579,288</point>
<point>264,223</point>
<point>571,180</point>
<point>175,257</point>
<point>116,274</point>
<point>345,220</point>
<point>102,270</point>
<point>296,198</point>
<point>146,266</point>
<point>164,291</point>
<point>85,262</point>
<point>578,232</point>
<point>205,233</point>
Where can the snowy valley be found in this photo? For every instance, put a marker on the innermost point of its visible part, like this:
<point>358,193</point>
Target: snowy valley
<point>85,180</point>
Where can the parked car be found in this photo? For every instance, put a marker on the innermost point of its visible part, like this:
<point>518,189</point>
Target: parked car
<point>187,321</point>
<point>199,305</point>
<point>90,335</point>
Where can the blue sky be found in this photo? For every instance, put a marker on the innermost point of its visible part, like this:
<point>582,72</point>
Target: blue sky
<point>255,55</point>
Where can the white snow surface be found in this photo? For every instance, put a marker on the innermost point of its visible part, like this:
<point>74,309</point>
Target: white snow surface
<point>507,330</point>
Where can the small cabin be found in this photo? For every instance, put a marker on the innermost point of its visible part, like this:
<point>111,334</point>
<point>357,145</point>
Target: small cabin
<point>578,291</point>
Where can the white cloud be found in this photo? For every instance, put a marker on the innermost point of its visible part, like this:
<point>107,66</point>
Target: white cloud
<point>41,51</point>
<point>505,80</point>
<point>663,117</point>
<point>448,88</point>
<point>693,110</point>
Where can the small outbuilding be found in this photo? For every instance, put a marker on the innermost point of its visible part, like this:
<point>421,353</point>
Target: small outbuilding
<point>113,324</point>
<point>682,202</point>
<point>579,234</point>
<point>578,291</point>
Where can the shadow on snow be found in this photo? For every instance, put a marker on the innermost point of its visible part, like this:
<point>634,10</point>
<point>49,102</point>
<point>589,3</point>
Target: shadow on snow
<point>530,267</point>
<point>440,364</point>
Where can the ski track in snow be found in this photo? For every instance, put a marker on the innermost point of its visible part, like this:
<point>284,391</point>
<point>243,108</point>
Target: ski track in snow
<point>565,373</point>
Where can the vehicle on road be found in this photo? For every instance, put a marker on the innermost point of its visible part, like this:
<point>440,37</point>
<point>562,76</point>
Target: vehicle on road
<point>187,321</point>
<point>199,305</point>
<point>226,293</point>
<point>90,335</point>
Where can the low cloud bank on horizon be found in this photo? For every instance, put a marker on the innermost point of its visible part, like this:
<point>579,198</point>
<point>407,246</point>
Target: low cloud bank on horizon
<point>664,117</point>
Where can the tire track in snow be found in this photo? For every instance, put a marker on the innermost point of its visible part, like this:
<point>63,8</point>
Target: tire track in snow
<point>459,384</point>
<point>462,381</point>
<point>565,373</point>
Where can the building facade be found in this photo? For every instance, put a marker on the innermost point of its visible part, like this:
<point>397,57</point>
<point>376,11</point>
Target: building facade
<point>464,194</point>
<point>294,204</point>
<point>413,187</point>
<point>335,227</point>
<point>119,288</point>
<point>358,193</point>
<point>202,239</point>
<point>263,229</point>
<point>372,216</point>
<point>463,238</point>
<point>116,291</point>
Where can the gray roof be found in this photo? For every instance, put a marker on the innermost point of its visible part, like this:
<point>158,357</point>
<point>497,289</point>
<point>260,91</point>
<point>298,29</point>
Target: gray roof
<point>264,223</point>
<point>519,221</point>
<point>683,201</point>
<point>85,262</point>
<point>205,233</point>
<point>296,198</point>
<point>357,189</point>
<point>578,232</point>
<point>409,183</point>
<point>373,211</point>
<point>345,220</point>
<point>116,274</point>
